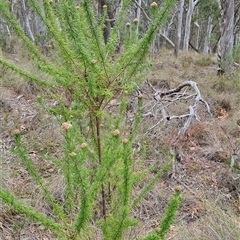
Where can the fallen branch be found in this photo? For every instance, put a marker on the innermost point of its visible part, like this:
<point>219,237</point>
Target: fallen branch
<point>192,114</point>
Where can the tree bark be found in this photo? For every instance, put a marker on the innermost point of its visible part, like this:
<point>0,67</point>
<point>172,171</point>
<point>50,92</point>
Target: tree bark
<point>26,22</point>
<point>39,27</point>
<point>191,6</point>
<point>236,23</point>
<point>206,48</point>
<point>138,15</point>
<point>197,34</point>
<point>168,26</point>
<point>227,34</point>
<point>179,27</point>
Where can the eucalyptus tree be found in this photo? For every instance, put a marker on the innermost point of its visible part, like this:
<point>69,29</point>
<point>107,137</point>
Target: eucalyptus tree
<point>237,22</point>
<point>227,34</point>
<point>26,20</point>
<point>190,9</point>
<point>209,14</point>
<point>179,27</point>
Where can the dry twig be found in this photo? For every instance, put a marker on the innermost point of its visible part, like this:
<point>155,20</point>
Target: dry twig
<point>175,94</point>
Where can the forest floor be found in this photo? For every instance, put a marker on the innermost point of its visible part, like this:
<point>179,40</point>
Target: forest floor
<point>210,187</point>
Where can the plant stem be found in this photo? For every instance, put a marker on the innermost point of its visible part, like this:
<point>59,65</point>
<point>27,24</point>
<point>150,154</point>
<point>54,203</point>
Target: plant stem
<point>98,122</point>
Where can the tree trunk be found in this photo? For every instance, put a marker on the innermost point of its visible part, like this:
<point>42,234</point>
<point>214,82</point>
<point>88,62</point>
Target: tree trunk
<point>26,22</point>
<point>236,29</point>
<point>169,24</point>
<point>191,6</point>
<point>4,27</point>
<point>197,34</point>
<point>179,27</point>
<point>39,27</point>
<point>206,48</point>
<point>138,15</point>
<point>227,35</point>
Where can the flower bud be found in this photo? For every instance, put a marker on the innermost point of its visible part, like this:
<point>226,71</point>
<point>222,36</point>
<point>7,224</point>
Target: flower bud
<point>83,145</point>
<point>116,132</point>
<point>153,4</point>
<point>72,154</point>
<point>66,126</point>
<point>178,188</point>
<point>16,131</point>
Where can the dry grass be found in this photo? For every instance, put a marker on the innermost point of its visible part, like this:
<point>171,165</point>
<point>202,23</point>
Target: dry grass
<point>209,209</point>
<point>219,223</point>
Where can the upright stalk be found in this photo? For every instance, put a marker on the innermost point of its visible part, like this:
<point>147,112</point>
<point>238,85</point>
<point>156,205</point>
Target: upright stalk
<point>99,150</point>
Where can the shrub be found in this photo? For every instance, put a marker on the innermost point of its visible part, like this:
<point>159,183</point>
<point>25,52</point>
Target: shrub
<point>97,162</point>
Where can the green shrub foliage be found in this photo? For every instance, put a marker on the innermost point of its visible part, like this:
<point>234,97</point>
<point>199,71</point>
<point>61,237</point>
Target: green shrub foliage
<point>97,162</point>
